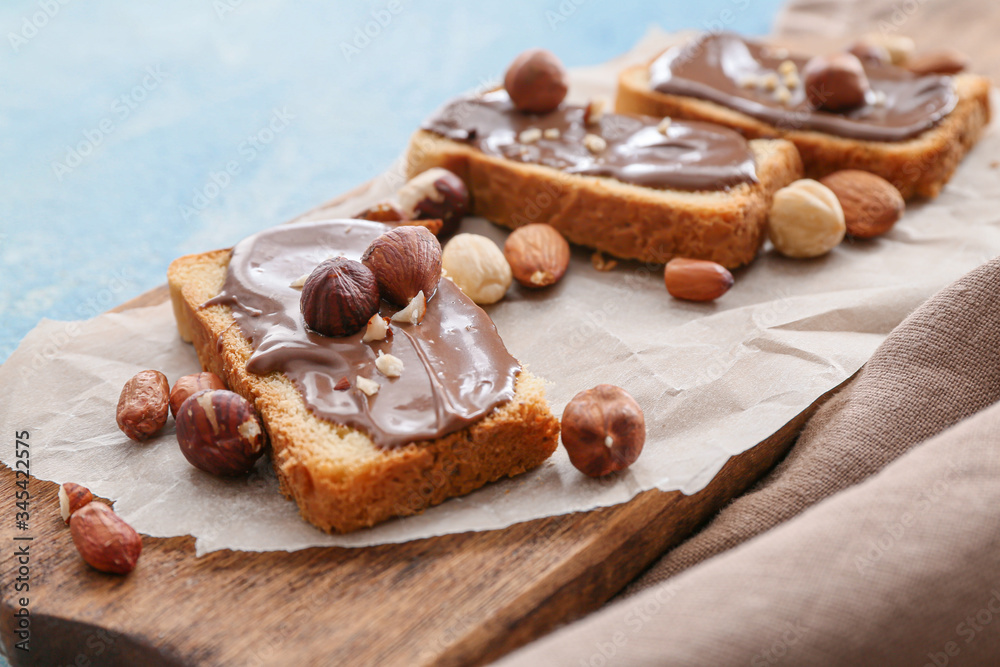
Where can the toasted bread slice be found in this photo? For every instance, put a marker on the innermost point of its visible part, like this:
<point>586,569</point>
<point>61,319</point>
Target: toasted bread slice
<point>624,220</point>
<point>918,167</point>
<point>339,478</point>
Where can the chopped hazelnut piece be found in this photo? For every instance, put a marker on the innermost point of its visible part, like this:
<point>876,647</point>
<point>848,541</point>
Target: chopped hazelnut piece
<point>664,126</point>
<point>787,67</point>
<point>769,81</point>
<point>369,387</point>
<point>551,133</point>
<point>376,330</point>
<point>530,136</point>
<point>601,263</point>
<point>594,143</point>
<point>389,365</point>
<point>594,111</point>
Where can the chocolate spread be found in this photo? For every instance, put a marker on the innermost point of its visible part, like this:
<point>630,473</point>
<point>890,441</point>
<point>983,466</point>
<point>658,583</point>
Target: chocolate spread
<point>717,67</point>
<point>455,367</point>
<point>688,156</point>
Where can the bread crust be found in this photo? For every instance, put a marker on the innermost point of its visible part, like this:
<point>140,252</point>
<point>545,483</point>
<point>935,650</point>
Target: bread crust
<point>621,219</point>
<point>340,480</point>
<point>918,167</point>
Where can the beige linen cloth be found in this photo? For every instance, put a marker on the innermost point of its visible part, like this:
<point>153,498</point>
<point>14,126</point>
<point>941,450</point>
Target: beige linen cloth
<point>877,541</point>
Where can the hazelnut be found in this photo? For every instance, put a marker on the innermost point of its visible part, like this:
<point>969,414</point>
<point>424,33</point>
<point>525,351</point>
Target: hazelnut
<point>339,297</point>
<point>538,255</point>
<point>436,194</point>
<point>192,384</point>
<point>696,279</point>
<point>899,47</point>
<point>143,405</point>
<point>871,204</point>
<point>603,430</point>
<point>948,61</point>
<point>536,81</point>
<point>71,498</point>
<point>104,540</point>
<point>477,266</point>
<point>805,219</point>
<point>836,82</point>
<point>404,261</point>
<point>219,432</point>
<point>870,53</point>
<point>382,212</point>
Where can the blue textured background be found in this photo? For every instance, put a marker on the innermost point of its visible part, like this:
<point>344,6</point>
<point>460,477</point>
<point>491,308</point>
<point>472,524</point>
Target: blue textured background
<point>114,116</point>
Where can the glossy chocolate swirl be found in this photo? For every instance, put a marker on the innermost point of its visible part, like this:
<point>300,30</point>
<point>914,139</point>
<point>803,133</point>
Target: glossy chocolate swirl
<point>689,156</point>
<point>722,67</point>
<point>456,369</point>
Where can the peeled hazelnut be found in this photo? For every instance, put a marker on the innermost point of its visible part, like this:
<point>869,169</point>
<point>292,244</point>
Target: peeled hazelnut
<point>836,82</point>
<point>219,432</point>
<point>404,261</point>
<point>696,279</point>
<point>71,498</point>
<point>477,266</point>
<point>192,384</point>
<point>104,540</point>
<point>603,430</point>
<point>339,297</point>
<point>538,255</point>
<point>948,61</point>
<point>143,405</point>
<point>805,220</point>
<point>382,212</point>
<point>536,81</point>
<point>377,329</point>
<point>871,204</point>
<point>436,194</point>
<point>870,52</point>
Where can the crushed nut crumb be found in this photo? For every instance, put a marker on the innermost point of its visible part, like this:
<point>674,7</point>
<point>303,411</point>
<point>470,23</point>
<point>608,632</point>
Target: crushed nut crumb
<point>791,80</point>
<point>595,111</point>
<point>664,126</point>
<point>530,136</point>
<point>299,282</point>
<point>769,81</point>
<point>601,263</point>
<point>782,95</point>
<point>787,67</point>
<point>551,133</point>
<point>389,365</point>
<point>369,387</point>
<point>594,143</point>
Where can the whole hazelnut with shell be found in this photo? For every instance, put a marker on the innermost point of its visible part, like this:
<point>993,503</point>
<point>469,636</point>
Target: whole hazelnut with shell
<point>435,194</point>
<point>603,430</point>
<point>404,261</point>
<point>536,81</point>
<point>219,432</point>
<point>339,297</point>
<point>836,82</point>
<point>192,384</point>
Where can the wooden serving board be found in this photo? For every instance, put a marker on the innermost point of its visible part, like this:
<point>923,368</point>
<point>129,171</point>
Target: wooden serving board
<point>454,600</point>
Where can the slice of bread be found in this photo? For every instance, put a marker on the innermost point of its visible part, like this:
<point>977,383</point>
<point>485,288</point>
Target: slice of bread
<point>918,167</point>
<point>621,219</point>
<point>339,478</point>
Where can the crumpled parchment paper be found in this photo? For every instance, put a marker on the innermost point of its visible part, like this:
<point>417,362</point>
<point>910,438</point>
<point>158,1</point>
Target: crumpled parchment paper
<point>713,379</point>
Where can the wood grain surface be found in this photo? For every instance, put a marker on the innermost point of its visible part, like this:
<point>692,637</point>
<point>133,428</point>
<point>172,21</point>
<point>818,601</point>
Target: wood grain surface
<point>454,600</point>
